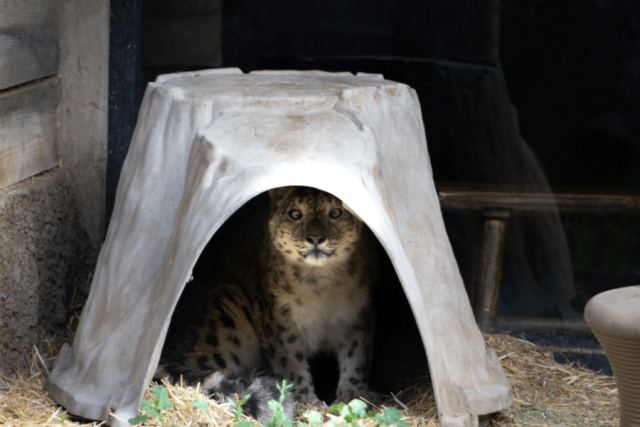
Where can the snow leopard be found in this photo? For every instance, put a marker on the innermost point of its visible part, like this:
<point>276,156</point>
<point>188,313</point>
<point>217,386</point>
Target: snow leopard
<point>301,286</point>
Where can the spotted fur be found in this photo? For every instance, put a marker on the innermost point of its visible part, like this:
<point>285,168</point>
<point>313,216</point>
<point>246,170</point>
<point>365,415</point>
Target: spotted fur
<point>307,291</point>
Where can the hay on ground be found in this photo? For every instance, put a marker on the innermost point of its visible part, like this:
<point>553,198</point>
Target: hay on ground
<point>546,393</point>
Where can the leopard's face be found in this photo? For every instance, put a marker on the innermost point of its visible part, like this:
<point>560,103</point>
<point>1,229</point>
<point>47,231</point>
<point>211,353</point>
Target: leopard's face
<point>310,226</point>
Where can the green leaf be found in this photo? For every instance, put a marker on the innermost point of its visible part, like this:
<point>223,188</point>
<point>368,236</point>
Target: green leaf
<point>314,418</point>
<point>159,392</point>
<point>244,423</point>
<point>232,402</point>
<point>372,415</point>
<point>275,406</point>
<point>358,407</point>
<point>140,419</point>
<point>345,411</point>
<point>145,405</point>
<point>284,387</point>
<point>337,407</point>
<point>165,404</point>
<point>155,412</point>
<point>200,404</point>
<point>393,416</point>
<point>279,418</point>
<point>237,407</point>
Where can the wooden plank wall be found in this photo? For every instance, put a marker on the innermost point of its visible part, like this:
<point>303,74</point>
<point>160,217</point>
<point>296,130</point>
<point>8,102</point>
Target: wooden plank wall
<point>29,52</point>
<point>29,131</point>
<point>29,40</point>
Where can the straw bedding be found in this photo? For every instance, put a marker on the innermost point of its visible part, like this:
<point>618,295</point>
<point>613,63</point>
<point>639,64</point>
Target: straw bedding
<point>546,393</point>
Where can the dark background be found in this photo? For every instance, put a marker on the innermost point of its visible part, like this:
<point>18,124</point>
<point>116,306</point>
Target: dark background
<point>571,69</point>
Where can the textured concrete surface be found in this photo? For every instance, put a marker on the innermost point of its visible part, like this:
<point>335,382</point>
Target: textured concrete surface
<point>45,255</point>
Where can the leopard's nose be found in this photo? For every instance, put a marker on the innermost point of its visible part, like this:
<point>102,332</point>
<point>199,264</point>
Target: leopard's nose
<point>316,239</point>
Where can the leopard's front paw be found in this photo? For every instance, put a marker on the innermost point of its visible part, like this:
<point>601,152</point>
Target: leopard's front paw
<point>362,393</point>
<point>304,394</point>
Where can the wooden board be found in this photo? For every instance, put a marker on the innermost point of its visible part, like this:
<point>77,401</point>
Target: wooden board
<point>29,40</point>
<point>473,196</point>
<point>29,131</point>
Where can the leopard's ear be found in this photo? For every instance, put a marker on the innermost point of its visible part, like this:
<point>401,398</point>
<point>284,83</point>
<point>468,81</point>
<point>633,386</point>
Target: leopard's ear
<point>278,194</point>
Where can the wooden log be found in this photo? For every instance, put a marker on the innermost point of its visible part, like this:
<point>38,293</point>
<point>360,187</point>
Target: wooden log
<point>488,291</point>
<point>29,40</point>
<point>30,131</point>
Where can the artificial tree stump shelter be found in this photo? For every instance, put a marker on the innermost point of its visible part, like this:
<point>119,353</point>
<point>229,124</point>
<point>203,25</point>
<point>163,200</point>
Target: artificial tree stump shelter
<point>206,143</point>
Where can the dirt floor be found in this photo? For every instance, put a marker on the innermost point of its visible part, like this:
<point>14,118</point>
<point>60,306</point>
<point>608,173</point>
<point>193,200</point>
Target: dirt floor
<point>546,393</point>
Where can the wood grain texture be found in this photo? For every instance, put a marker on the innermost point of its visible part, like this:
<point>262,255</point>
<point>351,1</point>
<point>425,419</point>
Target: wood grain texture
<point>29,40</point>
<point>454,196</point>
<point>29,131</point>
<point>490,270</point>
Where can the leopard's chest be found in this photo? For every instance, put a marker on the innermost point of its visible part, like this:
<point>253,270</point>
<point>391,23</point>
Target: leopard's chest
<point>323,310</point>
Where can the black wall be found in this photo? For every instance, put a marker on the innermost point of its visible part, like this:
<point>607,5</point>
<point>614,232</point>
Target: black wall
<point>125,89</point>
<point>572,70</point>
<point>572,67</point>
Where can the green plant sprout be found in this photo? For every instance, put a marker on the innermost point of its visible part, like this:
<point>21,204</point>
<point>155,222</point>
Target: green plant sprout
<point>239,411</point>
<point>314,418</point>
<point>356,409</point>
<point>200,404</point>
<point>279,418</point>
<point>154,408</point>
<point>388,417</point>
<point>351,412</point>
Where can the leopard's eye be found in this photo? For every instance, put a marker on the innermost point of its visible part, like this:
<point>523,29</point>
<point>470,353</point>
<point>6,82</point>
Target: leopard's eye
<point>295,214</point>
<point>335,213</point>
